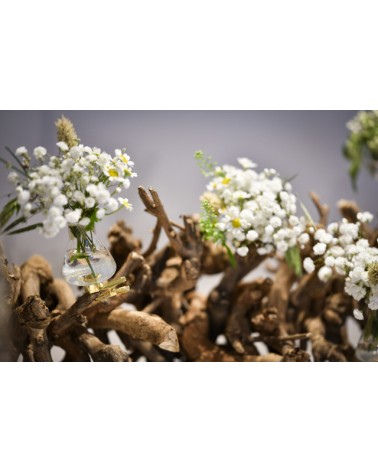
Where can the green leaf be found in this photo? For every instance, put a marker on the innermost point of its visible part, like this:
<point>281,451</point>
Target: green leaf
<point>93,221</point>
<point>16,222</point>
<point>231,256</point>
<point>8,211</point>
<point>290,179</point>
<point>294,260</point>
<point>26,228</point>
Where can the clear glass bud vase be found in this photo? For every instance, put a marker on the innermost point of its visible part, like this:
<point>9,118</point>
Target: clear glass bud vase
<point>86,261</point>
<point>367,348</point>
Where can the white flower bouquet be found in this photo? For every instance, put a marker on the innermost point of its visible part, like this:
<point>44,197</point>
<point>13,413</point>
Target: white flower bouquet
<point>76,187</point>
<point>244,208</point>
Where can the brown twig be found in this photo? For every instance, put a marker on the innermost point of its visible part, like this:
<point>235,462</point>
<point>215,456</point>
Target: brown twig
<point>322,208</point>
<point>155,238</point>
<point>99,351</point>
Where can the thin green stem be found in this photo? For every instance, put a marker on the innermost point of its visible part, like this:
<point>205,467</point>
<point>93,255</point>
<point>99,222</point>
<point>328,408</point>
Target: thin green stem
<point>91,268</point>
<point>81,236</point>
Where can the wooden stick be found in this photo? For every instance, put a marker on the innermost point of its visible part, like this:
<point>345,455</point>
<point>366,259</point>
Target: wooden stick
<point>138,325</point>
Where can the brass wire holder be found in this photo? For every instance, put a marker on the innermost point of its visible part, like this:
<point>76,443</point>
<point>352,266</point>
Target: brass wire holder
<point>108,289</point>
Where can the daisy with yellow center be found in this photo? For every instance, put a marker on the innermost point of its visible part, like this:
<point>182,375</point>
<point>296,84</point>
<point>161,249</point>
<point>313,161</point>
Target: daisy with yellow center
<point>125,202</point>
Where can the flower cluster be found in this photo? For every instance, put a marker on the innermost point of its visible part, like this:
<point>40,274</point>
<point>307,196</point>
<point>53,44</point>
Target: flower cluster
<point>340,248</point>
<point>244,207</point>
<point>77,185</point>
<point>361,146</point>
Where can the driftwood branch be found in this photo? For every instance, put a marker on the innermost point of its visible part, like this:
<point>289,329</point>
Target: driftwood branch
<point>138,325</point>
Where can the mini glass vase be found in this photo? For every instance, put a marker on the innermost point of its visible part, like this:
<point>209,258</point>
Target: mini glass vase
<point>87,261</point>
<point>367,348</point>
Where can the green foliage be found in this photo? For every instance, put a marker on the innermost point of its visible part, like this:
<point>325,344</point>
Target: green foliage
<point>208,221</point>
<point>10,209</point>
<point>307,215</point>
<point>361,145</point>
<point>26,228</point>
<point>294,260</point>
<point>231,255</point>
<point>209,230</point>
<point>206,163</point>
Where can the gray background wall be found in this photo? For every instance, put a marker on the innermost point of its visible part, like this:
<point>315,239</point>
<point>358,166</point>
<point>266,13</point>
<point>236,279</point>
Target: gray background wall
<point>162,144</point>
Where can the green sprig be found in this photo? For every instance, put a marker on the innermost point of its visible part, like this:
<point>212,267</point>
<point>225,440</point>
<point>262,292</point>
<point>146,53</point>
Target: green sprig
<point>210,231</point>
<point>206,163</point>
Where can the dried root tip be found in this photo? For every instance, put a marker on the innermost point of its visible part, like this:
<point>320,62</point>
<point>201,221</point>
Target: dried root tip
<point>66,132</point>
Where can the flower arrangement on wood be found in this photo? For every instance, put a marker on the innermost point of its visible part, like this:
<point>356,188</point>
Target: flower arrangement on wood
<point>244,208</point>
<point>76,187</point>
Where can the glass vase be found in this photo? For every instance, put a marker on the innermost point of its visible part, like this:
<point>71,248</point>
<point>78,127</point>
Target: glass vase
<point>87,261</point>
<point>367,348</point>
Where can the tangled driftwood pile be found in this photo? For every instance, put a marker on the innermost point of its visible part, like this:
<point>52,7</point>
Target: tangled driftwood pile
<point>171,320</point>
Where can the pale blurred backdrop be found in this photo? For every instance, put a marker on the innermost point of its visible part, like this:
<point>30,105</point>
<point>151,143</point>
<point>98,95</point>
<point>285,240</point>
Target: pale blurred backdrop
<point>162,144</point>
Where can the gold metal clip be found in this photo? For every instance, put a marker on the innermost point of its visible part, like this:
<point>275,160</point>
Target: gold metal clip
<point>108,289</point>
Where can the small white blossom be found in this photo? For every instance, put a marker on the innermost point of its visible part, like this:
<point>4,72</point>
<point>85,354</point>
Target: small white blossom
<point>73,217</point>
<point>308,265</point>
<point>319,249</point>
<point>78,196</point>
<point>39,152</point>
<point>23,197</point>
<point>20,151</point>
<point>13,177</point>
<point>304,238</point>
<point>90,202</point>
<point>125,202</point>
<point>76,152</point>
<point>246,163</point>
<point>27,209</point>
<point>324,273</point>
<point>276,222</point>
<point>252,235</point>
<point>282,247</point>
<point>60,200</point>
<point>84,221</point>
<point>322,236</point>
<point>365,217</point>
<point>103,196</point>
<point>358,314</point>
<point>112,205</point>
<point>269,230</point>
<point>329,261</point>
<point>62,146</point>
<point>100,213</point>
<point>242,251</point>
